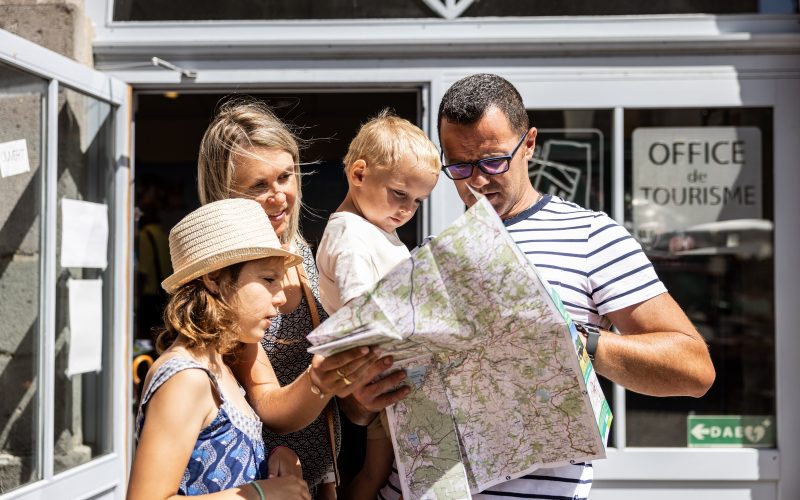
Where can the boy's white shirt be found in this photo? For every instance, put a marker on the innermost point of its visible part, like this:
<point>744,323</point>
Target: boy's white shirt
<point>352,256</point>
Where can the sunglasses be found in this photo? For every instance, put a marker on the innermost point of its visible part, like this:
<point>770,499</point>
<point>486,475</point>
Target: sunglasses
<point>489,166</point>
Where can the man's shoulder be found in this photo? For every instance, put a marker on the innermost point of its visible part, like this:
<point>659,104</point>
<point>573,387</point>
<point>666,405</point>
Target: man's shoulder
<point>556,210</point>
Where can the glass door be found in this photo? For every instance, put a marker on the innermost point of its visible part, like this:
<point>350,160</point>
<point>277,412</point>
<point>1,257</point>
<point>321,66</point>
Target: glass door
<point>64,248</point>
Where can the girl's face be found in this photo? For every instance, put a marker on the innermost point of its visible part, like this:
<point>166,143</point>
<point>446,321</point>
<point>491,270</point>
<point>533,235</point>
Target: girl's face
<point>267,175</point>
<point>257,295</point>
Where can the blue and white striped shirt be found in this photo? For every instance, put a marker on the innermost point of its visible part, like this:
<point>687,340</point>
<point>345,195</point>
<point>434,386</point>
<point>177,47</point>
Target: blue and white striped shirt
<point>596,267</point>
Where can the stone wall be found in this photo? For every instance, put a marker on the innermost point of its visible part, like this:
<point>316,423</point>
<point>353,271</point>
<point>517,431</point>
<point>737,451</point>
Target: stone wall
<point>59,25</point>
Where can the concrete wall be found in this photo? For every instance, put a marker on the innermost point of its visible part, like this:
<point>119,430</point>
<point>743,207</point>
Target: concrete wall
<point>59,25</point>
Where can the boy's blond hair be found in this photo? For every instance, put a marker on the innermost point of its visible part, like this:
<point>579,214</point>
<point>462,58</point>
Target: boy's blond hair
<point>386,139</point>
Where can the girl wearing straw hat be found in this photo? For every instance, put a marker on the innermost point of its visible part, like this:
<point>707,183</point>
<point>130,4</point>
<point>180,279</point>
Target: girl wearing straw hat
<point>247,152</point>
<point>196,433</point>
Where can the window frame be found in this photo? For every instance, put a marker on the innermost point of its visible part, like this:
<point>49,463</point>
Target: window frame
<point>105,475</point>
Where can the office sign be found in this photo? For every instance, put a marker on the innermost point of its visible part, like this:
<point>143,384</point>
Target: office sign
<point>737,431</point>
<point>694,175</point>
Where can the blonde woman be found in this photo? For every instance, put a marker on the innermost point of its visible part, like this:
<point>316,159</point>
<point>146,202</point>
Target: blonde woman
<point>247,152</point>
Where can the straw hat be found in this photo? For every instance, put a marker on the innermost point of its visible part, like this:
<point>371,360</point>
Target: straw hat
<point>219,234</point>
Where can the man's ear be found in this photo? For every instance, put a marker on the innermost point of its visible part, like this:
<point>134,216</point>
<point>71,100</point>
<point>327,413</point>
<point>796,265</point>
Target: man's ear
<point>210,282</point>
<point>357,172</point>
<point>530,143</point>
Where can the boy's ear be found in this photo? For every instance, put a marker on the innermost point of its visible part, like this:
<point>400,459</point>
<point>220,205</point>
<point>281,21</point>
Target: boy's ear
<point>357,172</point>
<point>210,282</point>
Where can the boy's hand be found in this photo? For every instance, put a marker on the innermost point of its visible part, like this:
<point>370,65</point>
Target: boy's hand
<point>283,462</point>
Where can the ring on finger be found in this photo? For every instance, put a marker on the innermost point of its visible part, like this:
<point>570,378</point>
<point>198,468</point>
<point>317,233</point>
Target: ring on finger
<point>344,378</point>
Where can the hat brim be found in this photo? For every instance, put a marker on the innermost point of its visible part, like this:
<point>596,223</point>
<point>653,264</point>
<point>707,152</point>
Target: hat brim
<point>225,259</point>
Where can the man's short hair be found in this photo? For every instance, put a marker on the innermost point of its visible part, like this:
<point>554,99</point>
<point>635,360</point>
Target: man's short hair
<point>467,100</point>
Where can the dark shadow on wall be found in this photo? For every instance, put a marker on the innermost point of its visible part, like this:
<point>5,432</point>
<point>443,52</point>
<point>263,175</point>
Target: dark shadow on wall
<point>18,411</point>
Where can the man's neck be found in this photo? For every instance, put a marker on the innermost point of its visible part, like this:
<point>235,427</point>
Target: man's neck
<point>529,199</point>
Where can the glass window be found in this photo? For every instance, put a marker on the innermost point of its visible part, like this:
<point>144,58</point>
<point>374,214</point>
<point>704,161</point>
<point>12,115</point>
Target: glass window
<point>572,160</point>
<point>699,199</point>
<point>202,10</point>
<point>198,10</point>
<point>22,104</point>
<point>85,172</point>
<point>485,8</point>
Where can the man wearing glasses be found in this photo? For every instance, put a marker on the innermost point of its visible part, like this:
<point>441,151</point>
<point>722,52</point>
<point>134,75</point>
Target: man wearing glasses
<point>598,269</point>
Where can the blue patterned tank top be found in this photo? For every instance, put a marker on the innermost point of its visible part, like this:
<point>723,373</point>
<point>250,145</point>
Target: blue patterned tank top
<point>229,452</point>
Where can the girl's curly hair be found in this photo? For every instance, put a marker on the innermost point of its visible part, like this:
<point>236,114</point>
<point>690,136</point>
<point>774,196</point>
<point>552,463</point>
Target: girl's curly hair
<point>203,317</point>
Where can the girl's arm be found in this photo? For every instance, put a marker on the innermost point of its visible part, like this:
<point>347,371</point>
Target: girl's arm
<point>294,406</point>
<point>176,414</point>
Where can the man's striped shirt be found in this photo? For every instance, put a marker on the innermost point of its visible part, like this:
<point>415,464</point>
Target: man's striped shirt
<point>596,267</point>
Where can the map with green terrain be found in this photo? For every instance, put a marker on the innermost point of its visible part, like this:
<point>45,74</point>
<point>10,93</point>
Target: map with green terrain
<point>501,385</point>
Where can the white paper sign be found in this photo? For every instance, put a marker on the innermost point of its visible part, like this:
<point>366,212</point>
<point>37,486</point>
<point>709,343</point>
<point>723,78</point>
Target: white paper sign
<point>84,236</point>
<point>694,175</point>
<point>14,158</point>
<point>85,326</point>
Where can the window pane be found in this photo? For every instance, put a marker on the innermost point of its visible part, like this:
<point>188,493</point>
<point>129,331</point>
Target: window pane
<point>201,10</point>
<point>572,160</point>
<point>85,172</point>
<point>197,10</point>
<point>22,99</point>
<point>613,8</point>
<point>699,199</point>
<point>573,155</point>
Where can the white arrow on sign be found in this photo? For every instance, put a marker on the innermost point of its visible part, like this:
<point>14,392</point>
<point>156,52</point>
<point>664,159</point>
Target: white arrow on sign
<point>700,432</point>
<point>448,9</point>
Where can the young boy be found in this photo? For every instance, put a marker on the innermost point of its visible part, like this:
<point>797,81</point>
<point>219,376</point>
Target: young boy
<point>391,167</point>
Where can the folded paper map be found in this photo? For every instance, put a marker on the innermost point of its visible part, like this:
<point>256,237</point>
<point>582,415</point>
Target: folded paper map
<point>490,352</point>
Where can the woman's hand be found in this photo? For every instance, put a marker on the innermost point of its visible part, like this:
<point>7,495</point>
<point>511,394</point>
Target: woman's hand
<point>282,462</point>
<point>343,373</point>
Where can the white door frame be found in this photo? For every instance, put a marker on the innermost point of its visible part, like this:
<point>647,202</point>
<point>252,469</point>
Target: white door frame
<point>104,476</point>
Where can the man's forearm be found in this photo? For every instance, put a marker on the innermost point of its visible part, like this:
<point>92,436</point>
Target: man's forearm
<point>656,363</point>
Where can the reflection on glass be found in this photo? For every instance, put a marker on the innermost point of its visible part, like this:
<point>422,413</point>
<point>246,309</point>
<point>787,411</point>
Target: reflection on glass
<point>590,8</point>
<point>716,259</point>
<point>184,10</point>
<point>85,172</point>
<point>22,98</point>
<point>573,156</point>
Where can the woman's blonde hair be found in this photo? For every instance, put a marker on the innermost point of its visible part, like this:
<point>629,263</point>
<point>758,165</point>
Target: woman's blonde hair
<point>241,124</point>
<point>385,139</point>
<point>203,318</point>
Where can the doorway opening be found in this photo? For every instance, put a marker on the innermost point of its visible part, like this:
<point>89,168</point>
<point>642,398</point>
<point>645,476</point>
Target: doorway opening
<point>169,127</point>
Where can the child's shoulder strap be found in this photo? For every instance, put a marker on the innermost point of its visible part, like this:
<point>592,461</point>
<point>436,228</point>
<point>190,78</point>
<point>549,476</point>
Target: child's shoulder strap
<point>170,367</point>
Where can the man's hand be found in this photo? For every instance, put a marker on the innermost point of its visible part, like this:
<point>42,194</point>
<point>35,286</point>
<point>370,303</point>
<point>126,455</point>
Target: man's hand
<point>380,393</point>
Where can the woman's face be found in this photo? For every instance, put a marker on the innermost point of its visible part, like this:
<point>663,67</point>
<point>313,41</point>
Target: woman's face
<point>257,296</point>
<point>267,176</point>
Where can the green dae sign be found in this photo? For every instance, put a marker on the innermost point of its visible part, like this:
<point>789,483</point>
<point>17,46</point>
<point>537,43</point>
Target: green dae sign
<point>731,430</point>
